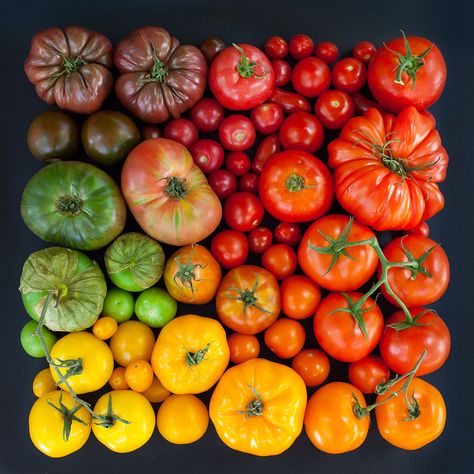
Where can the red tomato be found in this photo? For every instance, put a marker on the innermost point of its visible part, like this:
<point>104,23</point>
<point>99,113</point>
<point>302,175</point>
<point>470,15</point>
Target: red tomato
<point>281,260</point>
<point>267,148</point>
<point>241,77</point>
<point>312,365</point>
<point>422,230</point>
<point>276,47</point>
<point>402,348</point>
<point>211,47</point>
<point>349,75</point>
<point>299,297</point>
<point>296,187</point>
<point>311,77</point>
<point>362,104</point>
<point>334,108</point>
<point>282,71</point>
<point>243,347</point>
<point>341,332</point>
<point>301,46</point>
<point>327,52</point>
<point>181,130</point>
<point>288,233</point>
<point>237,133</point>
<point>301,131</point>
<point>249,182</point>
<point>367,373</point>
<point>260,239</point>
<point>207,115</point>
<point>289,101</point>
<point>363,51</point>
<point>243,211</point>
<point>230,248</point>
<point>150,131</point>
<point>223,183</point>
<point>207,154</point>
<point>267,118</point>
<point>238,163</point>
<point>285,338</point>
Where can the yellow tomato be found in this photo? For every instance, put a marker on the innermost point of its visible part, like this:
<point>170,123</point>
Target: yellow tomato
<point>190,354</point>
<point>258,407</point>
<point>128,420</point>
<point>139,375</point>
<point>117,379</point>
<point>104,328</point>
<point>47,425</point>
<point>133,341</point>
<point>96,361</point>
<point>182,419</point>
<point>43,383</point>
<point>157,392</point>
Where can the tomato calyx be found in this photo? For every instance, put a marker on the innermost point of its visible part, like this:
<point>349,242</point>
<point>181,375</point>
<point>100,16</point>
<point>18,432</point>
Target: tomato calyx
<point>69,204</point>
<point>71,65</point>
<point>185,274</point>
<point>108,420</point>
<point>247,68</point>
<point>418,266</point>
<point>158,71</point>
<point>194,358</point>
<point>400,326</point>
<point>295,183</point>
<point>176,187</point>
<point>253,407</point>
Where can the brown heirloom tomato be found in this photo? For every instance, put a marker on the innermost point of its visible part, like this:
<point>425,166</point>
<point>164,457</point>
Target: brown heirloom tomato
<point>70,68</point>
<point>159,77</point>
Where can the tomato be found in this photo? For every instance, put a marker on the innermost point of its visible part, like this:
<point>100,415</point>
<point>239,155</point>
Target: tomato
<point>118,304</point>
<point>47,424</point>
<point>150,131</point>
<point>207,154</point>
<point>403,155</point>
<point>223,183</point>
<point>402,348</point>
<point>31,342</point>
<point>407,71</point>
<point>230,248</point>
<point>168,194</point>
<point>156,392</point>
<point>211,47</point>
<point>330,423</point>
<point>260,239</point>
<point>327,52</point>
<point>182,419</point>
<point>331,269</point>
<point>133,341</point>
<point>266,149</point>
<point>362,104</point>
<point>139,375</point>
<point>249,183</point>
<point>301,46</point>
<point>349,75</point>
<point>241,77</point>
<point>155,307</point>
<point>422,230</point>
<point>116,407</point>
<point>423,284</point>
<point>344,332</point>
<point>117,380</point>
<point>404,433</point>
<point>312,365</point>
<point>207,114</point>
<point>281,260</point>
<point>43,383</point>
<point>243,211</point>
<point>243,347</point>
<point>289,102</point>
<point>182,131</point>
<point>248,299</point>
<point>311,77</point>
<point>288,233</point>
<point>104,328</point>
<point>363,51</point>
<point>299,297</point>
<point>237,133</point>
<point>334,108</point>
<point>276,47</point>
<point>267,117</point>
<point>285,338</point>
<point>258,407</point>
<point>301,131</point>
<point>238,163</point>
<point>282,71</point>
<point>295,186</point>
<point>190,354</point>
<point>368,372</point>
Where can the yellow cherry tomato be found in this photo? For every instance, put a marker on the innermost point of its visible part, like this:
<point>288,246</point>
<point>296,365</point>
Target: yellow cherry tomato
<point>96,365</point>
<point>156,393</point>
<point>104,328</point>
<point>190,354</point>
<point>133,341</point>
<point>117,379</point>
<point>47,424</point>
<point>43,383</point>
<point>128,420</point>
<point>139,375</point>
<point>182,419</point>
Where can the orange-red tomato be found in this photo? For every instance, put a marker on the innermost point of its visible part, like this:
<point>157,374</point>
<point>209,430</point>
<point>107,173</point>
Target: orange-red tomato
<point>312,365</point>
<point>367,373</point>
<point>243,347</point>
<point>285,337</point>
<point>280,259</point>
<point>299,297</point>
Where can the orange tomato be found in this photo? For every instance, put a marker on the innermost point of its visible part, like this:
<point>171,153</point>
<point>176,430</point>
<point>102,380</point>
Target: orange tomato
<point>104,328</point>
<point>43,383</point>
<point>139,375</point>
<point>285,337</point>
<point>299,297</point>
<point>312,365</point>
<point>243,347</point>
<point>156,393</point>
<point>117,380</point>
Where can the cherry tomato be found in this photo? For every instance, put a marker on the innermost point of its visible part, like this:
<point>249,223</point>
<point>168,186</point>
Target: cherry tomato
<point>43,383</point>
<point>312,366</point>
<point>156,393</point>
<point>260,239</point>
<point>243,347</point>
<point>117,380</point>
<point>301,131</point>
<point>139,375</point>
<point>327,52</point>
<point>367,373</point>
<point>151,131</point>
<point>133,341</point>
<point>285,337</point>
<point>299,297</point>
<point>207,154</point>
<point>230,248</point>
<point>104,328</point>
<point>267,117</point>
<point>243,211</point>
<point>223,183</point>
<point>267,148</point>
<point>421,230</point>
<point>301,46</point>
<point>349,75</point>
<point>207,115</point>
<point>276,47</point>
<point>282,71</point>
<point>238,163</point>
<point>311,77</point>
<point>363,51</point>
<point>290,102</point>
<point>288,233</point>
<point>181,130</point>
<point>334,108</point>
<point>362,104</point>
<point>281,260</point>
<point>249,182</point>
<point>211,47</point>
<point>237,133</point>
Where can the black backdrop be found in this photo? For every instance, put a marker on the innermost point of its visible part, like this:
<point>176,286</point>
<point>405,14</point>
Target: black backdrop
<point>345,22</point>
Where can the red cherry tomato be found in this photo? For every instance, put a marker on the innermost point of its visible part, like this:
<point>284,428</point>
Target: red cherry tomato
<point>207,115</point>
<point>289,101</point>
<point>243,347</point>
<point>299,297</point>
<point>267,117</point>
<point>363,51</point>
<point>334,108</point>
<point>301,131</point>
<point>223,183</point>
<point>181,130</point>
<point>243,211</point>
<point>285,337</point>
<point>249,182</point>
<point>230,248</point>
<point>238,163</point>
<point>282,71</point>
<point>207,154</point>
<point>276,47</point>
<point>150,131</point>
<point>266,149</point>
<point>362,104</point>
<point>421,230</point>
<point>288,233</point>
<point>311,77</point>
<point>260,239</point>
<point>281,260</point>
<point>301,46</point>
<point>367,373</point>
<point>349,75</point>
<point>312,365</point>
<point>327,52</point>
<point>237,133</point>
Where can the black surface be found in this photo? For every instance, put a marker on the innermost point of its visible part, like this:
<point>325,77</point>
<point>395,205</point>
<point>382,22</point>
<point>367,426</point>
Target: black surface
<point>345,22</point>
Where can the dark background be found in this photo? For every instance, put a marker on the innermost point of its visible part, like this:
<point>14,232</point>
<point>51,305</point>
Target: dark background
<point>344,22</point>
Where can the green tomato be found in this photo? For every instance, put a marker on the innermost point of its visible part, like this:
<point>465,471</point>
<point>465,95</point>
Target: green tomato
<point>31,343</point>
<point>118,304</point>
<point>155,307</point>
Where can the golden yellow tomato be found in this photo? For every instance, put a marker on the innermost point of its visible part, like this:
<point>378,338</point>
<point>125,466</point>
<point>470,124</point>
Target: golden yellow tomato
<point>117,379</point>
<point>43,383</point>
<point>139,375</point>
<point>104,328</point>
<point>157,392</point>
